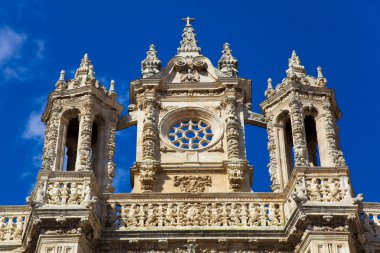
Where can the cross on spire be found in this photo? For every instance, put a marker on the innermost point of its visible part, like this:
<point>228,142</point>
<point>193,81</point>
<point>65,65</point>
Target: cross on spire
<point>188,20</point>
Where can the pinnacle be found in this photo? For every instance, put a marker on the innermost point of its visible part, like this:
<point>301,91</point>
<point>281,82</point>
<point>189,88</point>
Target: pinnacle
<point>188,42</point>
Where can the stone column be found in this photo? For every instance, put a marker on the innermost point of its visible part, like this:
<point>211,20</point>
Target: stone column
<point>235,166</point>
<point>149,164</point>
<point>273,164</point>
<point>298,132</point>
<point>335,155</point>
<point>84,142</point>
<point>110,156</point>
<point>51,138</point>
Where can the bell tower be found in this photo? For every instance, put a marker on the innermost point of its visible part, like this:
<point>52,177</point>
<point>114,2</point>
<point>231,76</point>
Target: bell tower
<point>81,118</point>
<point>301,115</point>
<point>189,118</point>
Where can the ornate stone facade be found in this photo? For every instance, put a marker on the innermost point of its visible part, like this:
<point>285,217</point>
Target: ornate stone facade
<point>191,179</point>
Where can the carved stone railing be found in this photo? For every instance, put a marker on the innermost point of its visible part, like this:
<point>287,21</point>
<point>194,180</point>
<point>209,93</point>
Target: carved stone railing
<point>13,220</point>
<point>64,188</point>
<point>185,211</point>
<point>371,220</point>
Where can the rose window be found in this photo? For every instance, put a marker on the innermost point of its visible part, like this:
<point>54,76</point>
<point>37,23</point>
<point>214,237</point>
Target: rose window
<point>191,134</point>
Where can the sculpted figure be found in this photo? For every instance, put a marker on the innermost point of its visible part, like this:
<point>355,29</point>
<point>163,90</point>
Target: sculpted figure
<point>131,219</point>
<point>234,215</point>
<point>215,216</point>
<point>19,228</point>
<point>315,190</point>
<point>75,193</point>
<point>254,215</point>
<point>151,216</point>
<point>334,190</point>
<point>55,194</point>
<point>9,229</point>
<point>2,228</point>
<point>169,215</point>
<point>273,215</point>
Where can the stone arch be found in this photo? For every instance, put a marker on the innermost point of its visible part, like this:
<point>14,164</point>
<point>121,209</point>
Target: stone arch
<point>284,140</point>
<point>98,153</point>
<point>68,144</point>
<point>312,132</point>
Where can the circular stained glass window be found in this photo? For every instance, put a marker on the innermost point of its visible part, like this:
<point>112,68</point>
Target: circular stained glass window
<point>191,134</point>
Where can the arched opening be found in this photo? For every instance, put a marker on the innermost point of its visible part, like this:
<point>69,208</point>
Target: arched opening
<point>285,149</point>
<point>71,145</point>
<point>68,141</point>
<point>98,145</point>
<point>311,140</point>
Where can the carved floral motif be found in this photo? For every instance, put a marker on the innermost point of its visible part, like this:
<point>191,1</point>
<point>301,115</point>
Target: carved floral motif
<point>192,183</point>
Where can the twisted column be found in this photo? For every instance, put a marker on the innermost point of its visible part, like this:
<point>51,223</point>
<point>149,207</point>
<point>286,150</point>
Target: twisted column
<point>85,135</point>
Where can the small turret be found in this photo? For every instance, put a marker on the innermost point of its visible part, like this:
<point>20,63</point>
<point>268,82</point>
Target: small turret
<point>321,80</point>
<point>112,92</point>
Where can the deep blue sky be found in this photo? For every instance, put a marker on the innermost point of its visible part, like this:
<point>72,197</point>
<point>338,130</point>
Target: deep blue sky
<point>39,38</point>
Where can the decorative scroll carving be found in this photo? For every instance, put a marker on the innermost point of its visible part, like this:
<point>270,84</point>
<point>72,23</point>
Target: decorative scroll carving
<point>86,119</point>
<point>235,170</point>
<point>189,67</point>
<point>335,154</point>
<point>298,132</point>
<point>11,227</point>
<point>200,214</point>
<point>51,137</point>
<point>192,183</point>
<point>69,193</point>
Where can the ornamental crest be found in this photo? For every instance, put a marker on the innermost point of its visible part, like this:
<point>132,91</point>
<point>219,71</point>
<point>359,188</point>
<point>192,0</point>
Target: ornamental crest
<point>192,183</point>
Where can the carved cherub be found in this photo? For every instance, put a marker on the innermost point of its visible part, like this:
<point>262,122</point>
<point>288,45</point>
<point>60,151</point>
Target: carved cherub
<point>234,215</point>
<point>19,228</point>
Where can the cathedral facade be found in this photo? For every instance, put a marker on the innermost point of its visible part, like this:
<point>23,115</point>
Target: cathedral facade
<point>191,179</point>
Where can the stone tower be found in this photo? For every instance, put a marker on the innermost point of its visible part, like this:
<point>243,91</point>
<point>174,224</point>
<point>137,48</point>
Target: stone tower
<point>191,179</point>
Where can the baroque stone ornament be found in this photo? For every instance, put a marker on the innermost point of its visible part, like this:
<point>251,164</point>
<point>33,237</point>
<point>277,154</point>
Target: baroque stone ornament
<point>192,183</point>
<point>151,65</point>
<point>228,64</point>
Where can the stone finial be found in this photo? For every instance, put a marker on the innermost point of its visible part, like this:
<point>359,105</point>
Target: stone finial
<point>151,65</point>
<point>112,92</point>
<point>269,91</point>
<point>295,66</point>
<point>321,80</point>
<point>188,42</point>
<point>85,72</point>
<point>61,83</point>
<point>228,64</point>
<point>62,75</point>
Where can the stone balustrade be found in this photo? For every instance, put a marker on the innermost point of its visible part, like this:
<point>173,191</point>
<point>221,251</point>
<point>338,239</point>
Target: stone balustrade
<point>65,188</point>
<point>320,185</point>
<point>13,220</point>
<point>182,213</point>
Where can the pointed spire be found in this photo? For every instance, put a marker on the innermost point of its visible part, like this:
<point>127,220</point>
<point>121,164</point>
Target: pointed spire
<point>269,91</point>
<point>151,65</point>
<point>112,92</point>
<point>295,66</point>
<point>188,42</point>
<point>228,64</point>
<point>321,80</point>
